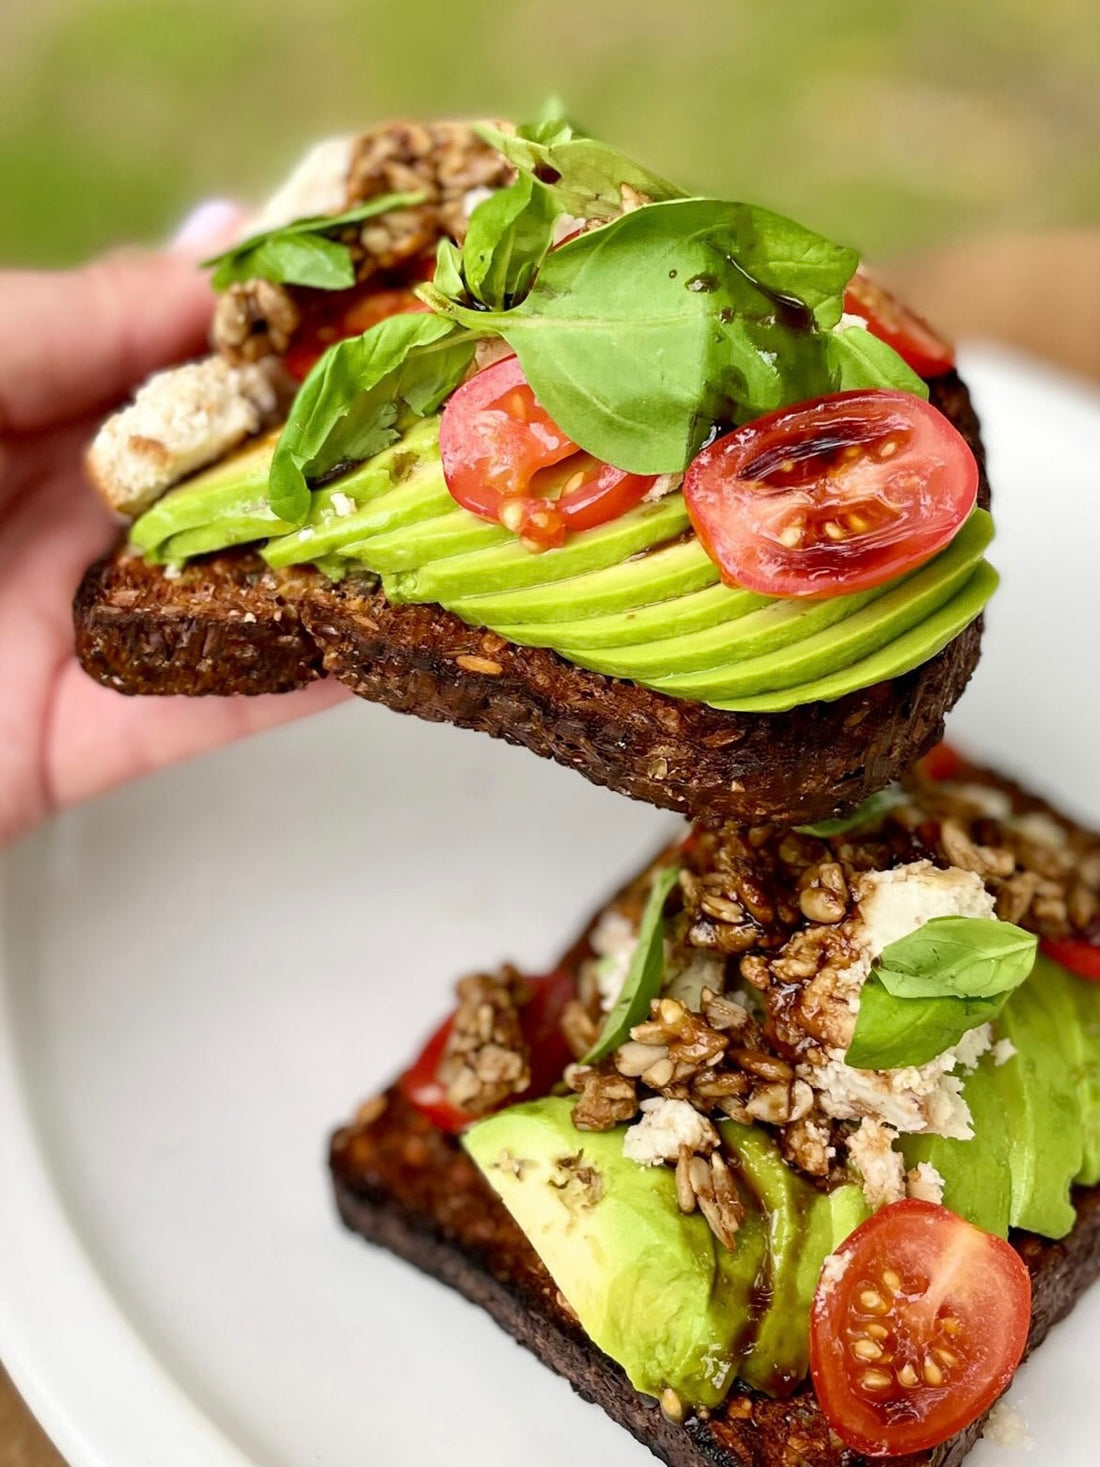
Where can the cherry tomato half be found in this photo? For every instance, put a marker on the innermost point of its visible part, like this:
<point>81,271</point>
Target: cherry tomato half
<point>918,1330</point>
<point>549,1054</point>
<point>941,762</point>
<point>833,495</point>
<point>350,314</point>
<point>505,459</point>
<point>1075,953</point>
<point>891,320</point>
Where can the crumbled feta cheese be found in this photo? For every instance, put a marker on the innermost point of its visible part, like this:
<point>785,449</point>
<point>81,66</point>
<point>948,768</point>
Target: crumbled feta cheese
<point>925,1183</point>
<point>1006,1427</point>
<point>833,1270</point>
<point>894,903</point>
<point>614,939</point>
<point>918,1098</point>
<point>665,1126</point>
<point>343,504</point>
<point>663,484</point>
<point>849,318</point>
<point>1039,827</point>
<point>688,971</point>
<point>1003,1051</point>
<point>871,1148</point>
<point>974,1043</point>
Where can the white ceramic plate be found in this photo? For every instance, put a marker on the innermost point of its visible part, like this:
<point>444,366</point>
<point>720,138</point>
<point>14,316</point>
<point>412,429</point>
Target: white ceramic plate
<point>203,973</point>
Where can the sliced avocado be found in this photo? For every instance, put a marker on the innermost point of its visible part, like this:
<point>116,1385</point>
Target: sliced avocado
<point>655,576</point>
<point>509,565</point>
<point>1040,1104</point>
<point>912,649</point>
<point>1085,1040</point>
<point>804,1226</point>
<point>228,500</point>
<point>903,606</point>
<point>977,1176</point>
<point>423,497</point>
<point>651,1286</point>
<point>660,625</point>
<point>455,533</point>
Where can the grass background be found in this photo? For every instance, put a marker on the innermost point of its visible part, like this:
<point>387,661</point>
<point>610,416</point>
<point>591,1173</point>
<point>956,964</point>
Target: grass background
<point>896,123</point>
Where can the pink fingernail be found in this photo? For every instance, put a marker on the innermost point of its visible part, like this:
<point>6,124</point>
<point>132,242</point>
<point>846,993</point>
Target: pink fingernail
<point>208,226</point>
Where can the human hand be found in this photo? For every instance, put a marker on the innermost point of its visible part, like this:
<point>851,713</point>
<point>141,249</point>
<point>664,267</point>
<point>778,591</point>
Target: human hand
<point>72,345</point>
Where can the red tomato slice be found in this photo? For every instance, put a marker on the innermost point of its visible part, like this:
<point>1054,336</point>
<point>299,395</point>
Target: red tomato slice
<point>941,762</point>
<point>831,496</point>
<point>549,1054</point>
<point>1075,953</point>
<point>348,315</point>
<point>918,1331</point>
<point>891,320</point>
<point>505,459</point>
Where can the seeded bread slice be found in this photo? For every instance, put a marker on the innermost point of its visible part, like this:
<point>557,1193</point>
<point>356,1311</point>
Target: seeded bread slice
<point>228,624</point>
<point>404,1185</point>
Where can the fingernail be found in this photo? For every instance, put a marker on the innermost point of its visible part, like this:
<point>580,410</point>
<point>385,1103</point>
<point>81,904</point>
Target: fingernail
<point>208,226</point>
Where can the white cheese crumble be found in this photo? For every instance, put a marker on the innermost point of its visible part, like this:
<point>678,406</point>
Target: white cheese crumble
<point>833,1270</point>
<point>663,485</point>
<point>848,318</point>
<point>343,504</point>
<point>1006,1427</point>
<point>871,1148</point>
<point>614,939</point>
<point>892,904</point>
<point>665,1126</point>
<point>925,1183</point>
<point>688,971</point>
<point>1003,1051</point>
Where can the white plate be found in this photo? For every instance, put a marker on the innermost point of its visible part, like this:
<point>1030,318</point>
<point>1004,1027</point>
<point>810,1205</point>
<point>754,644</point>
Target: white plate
<point>203,973</point>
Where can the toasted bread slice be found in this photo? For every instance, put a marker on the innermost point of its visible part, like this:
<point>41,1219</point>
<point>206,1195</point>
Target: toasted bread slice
<point>229,624</point>
<point>403,1184</point>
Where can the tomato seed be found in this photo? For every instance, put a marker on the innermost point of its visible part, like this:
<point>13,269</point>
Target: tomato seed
<point>945,1357</point>
<point>892,1280</point>
<point>573,482</point>
<point>933,1375</point>
<point>876,1380</point>
<point>907,1376</point>
<point>950,1325</point>
<point>888,449</point>
<point>873,1302</point>
<point>878,1331</point>
<point>833,530</point>
<point>867,1350</point>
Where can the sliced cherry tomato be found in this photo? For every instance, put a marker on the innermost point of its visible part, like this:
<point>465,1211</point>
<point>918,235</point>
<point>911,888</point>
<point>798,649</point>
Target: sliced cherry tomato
<point>505,459</point>
<point>348,315</point>
<point>1075,953</point>
<point>540,1019</point>
<point>891,320</point>
<point>917,1329</point>
<point>833,495</point>
<point>941,762</point>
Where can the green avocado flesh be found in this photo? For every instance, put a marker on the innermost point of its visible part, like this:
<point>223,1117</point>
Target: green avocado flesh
<point>636,598</point>
<point>1036,1116</point>
<point>650,1285</point>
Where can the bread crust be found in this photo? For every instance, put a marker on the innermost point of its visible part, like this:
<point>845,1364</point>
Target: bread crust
<point>229,625</point>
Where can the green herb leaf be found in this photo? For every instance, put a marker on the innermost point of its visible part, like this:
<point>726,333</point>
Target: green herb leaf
<point>862,360</point>
<point>892,1033</point>
<point>358,397</point>
<point>931,986</point>
<point>638,337</point>
<point>958,957</point>
<point>584,176</point>
<point>646,972</point>
<point>873,808</point>
<point>302,253</point>
<point>506,243</point>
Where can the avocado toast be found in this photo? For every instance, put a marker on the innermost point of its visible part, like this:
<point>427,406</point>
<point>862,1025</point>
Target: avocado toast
<point>492,501</point>
<point>675,1212</point>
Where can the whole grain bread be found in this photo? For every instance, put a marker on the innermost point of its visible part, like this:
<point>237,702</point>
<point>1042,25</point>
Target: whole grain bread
<point>403,1184</point>
<point>227,624</point>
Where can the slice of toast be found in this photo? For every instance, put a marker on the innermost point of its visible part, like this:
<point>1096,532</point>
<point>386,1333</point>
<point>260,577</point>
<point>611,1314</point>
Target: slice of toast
<point>228,624</point>
<point>403,1184</point>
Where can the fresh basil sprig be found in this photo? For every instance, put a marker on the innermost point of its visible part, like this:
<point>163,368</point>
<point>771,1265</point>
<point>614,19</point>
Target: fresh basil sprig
<point>932,986</point>
<point>860,359</point>
<point>358,397</point>
<point>645,974</point>
<point>303,253</point>
<point>584,176</point>
<point>869,813</point>
<point>638,337</point>
<point>506,242</point>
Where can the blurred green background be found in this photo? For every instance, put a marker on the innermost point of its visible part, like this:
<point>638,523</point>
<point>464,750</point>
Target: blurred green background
<point>892,122</point>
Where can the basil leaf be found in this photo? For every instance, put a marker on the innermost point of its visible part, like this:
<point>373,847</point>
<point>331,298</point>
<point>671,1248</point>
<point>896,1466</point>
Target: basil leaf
<point>873,808</point>
<point>506,242</point>
<point>638,337</point>
<point>448,279</point>
<point>646,972</point>
<point>584,176</point>
<point>351,405</point>
<point>892,1032</point>
<point>302,253</point>
<point>862,360</point>
<point>958,957</point>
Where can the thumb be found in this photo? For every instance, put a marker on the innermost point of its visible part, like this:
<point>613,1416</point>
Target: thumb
<point>73,341</point>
